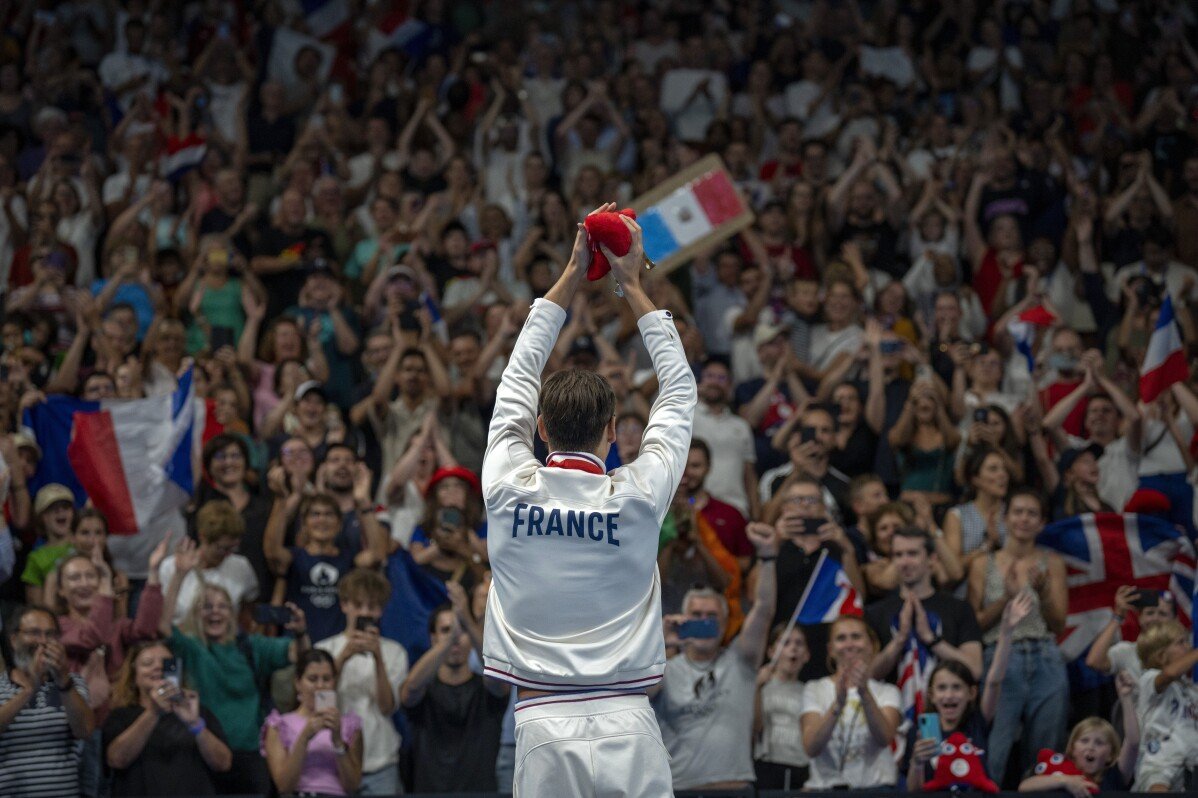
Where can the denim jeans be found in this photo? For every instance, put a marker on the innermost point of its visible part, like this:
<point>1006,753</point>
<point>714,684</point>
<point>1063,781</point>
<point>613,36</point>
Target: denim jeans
<point>384,781</point>
<point>1033,706</point>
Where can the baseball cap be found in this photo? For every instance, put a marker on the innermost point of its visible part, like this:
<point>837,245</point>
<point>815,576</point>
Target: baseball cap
<point>308,387</point>
<point>50,495</point>
<point>1069,456</point>
<point>23,440</point>
<point>460,472</point>
<point>583,345</point>
<point>401,271</point>
<point>767,331</point>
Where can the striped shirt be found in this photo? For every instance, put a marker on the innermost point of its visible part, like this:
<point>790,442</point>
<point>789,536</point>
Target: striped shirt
<point>38,754</point>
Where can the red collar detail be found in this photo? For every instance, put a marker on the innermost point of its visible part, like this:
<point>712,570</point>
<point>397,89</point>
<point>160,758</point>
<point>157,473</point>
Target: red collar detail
<point>577,461</point>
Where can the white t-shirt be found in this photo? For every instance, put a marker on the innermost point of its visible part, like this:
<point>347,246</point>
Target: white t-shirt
<point>852,757</point>
<point>731,442</point>
<point>781,734</point>
<point>234,574</point>
<point>1123,657</point>
<point>826,345</point>
<point>1168,730</point>
<point>356,692</point>
<point>1117,469</point>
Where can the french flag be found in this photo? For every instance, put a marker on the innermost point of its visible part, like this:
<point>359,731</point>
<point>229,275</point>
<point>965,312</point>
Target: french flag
<point>829,594</point>
<point>131,457</point>
<point>1165,360</point>
<point>1023,331</point>
<point>697,212</point>
<point>325,16</point>
<point>393,30</point>
<point>181,156</point>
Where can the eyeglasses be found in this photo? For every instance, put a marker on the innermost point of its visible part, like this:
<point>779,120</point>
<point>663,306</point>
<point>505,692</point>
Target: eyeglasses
<point>295,451</point>
<point>233,454</point>
<point>808,501</point>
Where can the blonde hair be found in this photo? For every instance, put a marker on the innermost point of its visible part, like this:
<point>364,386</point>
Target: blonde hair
<point>840,621</point>
<point>1154,640</point>
<point>1093,724</point>
<point>192,626</point>
<point>218,519</point>
<point>124,687</point>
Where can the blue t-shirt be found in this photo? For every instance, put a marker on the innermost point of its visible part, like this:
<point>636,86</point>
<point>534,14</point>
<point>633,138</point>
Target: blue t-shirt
<point>312,584</point>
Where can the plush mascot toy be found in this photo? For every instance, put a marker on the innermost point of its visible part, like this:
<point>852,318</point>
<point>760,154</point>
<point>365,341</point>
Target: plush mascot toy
<point>1050,763</point>
<point>610,231</point>
<point>959,768</point>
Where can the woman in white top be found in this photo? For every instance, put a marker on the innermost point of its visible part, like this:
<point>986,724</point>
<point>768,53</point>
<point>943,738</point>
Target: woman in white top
<point>850,720</point>
<point>780,760</point>
<point>839,336</point>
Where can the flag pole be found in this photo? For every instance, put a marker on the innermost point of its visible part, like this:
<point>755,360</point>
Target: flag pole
<point>794,616</point>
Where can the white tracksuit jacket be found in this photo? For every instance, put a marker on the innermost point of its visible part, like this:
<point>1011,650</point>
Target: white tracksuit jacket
<point>575,600</point>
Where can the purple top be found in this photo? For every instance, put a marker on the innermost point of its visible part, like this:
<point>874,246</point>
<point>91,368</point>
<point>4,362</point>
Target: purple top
<point>320,765</point>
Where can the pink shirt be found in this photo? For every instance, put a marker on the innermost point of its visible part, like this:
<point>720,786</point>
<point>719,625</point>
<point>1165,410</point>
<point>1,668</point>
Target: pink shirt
<point>320,764</point>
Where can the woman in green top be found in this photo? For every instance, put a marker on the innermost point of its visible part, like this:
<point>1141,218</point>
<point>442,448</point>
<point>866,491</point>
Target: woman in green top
<point>232,671</point>
<point>214,291</point>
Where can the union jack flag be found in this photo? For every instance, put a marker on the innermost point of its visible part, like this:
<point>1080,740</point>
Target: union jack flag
<point>1103,551</point>
<point>914,669</point>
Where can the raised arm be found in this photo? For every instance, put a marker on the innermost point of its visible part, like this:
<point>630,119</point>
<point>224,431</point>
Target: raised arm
<point>513,421</point>
<point>667,436</point>
<point>750,643</point>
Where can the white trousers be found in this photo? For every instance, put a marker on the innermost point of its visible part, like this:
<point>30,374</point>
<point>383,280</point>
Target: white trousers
<point>592,745</point>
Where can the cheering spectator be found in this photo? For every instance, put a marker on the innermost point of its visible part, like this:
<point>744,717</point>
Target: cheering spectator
<point>1036,690</point>
<point>952,691</point>
<point>705,699</point>
<point>53,516</point>
<point>731,477</point>
<point>455,713</point>
<point>220,529</point>
<point>43,711</point>
<point>158,739</point>
<point>779,758</point>
<point>370,670</point>
<point>313,570</point>
<point>861,713</point>
<point>1166,708</point>
<point>317,748</point>
<point>233,672</point>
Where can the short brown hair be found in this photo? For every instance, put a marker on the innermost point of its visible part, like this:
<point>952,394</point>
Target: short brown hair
<point>218,519</point>
<point>576,405</point>
<point>365,586</point>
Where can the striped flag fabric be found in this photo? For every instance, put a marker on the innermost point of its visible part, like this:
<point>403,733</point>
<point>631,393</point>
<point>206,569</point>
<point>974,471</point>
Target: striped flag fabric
<point>1165,360</point>
<point>829,594</point>
<point>1023,331</point>
<point>131,457</point>
<point>324,17</point>
<point>1102,552</point>
<point>181,156</point>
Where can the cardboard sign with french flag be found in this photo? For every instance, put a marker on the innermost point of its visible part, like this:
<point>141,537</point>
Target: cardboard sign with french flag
<point>696,208</point>
<point>1165,360</point>
<point>131,457</point>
